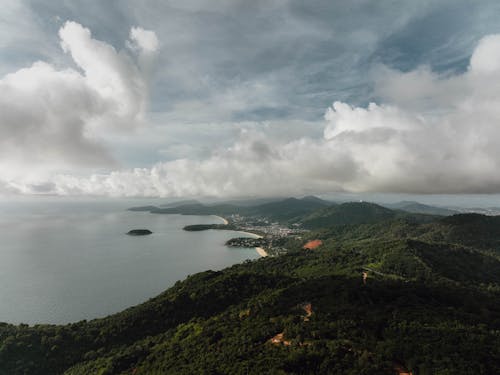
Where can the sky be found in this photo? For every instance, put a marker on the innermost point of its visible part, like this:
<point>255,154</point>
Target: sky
<point>237,98</point>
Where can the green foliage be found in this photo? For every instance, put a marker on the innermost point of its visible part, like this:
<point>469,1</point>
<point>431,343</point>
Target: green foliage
<point>431,303</point>
<point>420,208</point>
<point>357,213</point>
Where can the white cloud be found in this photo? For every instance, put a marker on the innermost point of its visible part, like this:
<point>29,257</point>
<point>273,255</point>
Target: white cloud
<point>439,134</point>
<point>430,134</point>
<point>145,40</point>
<point>51,119</point>
<point>486,57</point>
<point>251,166</point>
<point>112,74</point>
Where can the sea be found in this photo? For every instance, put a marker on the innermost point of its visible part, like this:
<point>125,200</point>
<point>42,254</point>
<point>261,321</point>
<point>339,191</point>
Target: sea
<point>64,260</point>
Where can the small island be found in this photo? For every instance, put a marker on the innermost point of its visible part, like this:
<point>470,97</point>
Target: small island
<point>139,232</point>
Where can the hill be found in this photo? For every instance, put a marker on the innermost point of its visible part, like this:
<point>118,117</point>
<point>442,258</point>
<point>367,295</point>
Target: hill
<point>430,306</point>
<point>198,209</point>
<point>282,210</point>
<point>179,203</point>
<point>290,209</point>
<point>347,213</point>
<point>419,208</point>
<point>474,230</point>
<point>468,230</point>
<point>142,208</point>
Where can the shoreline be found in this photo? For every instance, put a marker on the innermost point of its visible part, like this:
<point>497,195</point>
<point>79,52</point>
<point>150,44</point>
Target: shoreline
<point>225,222</point>
<point>253,234</point>
<point>261,252</point>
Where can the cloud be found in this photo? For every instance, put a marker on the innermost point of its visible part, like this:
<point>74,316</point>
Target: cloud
<point>113,75</point>
<point>52,119</point>
<point>431,134</point>
<point>145,40</point>
<point>432,128</point>
<point>254,165</point>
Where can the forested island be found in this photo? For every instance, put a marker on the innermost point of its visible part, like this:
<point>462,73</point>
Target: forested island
<point>386,292</point>
<point>139,232</point>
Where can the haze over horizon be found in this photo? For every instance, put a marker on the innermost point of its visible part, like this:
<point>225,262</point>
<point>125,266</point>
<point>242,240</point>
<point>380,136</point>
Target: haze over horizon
<point>228,99</point>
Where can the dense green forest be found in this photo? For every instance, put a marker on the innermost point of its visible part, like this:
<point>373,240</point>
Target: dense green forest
<point>384,291</point>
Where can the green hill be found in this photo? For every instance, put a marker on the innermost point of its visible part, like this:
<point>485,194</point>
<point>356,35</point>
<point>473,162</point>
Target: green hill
<point>222,322</point>
<point>430,303</point>
<point>467,230</point>
<point>347,213</point>
<point>288,209</point>
<point>419,208</point>
<point>474,230</point>
<point>198,209</point>
<point>282,210</point>
<point>142,208</point>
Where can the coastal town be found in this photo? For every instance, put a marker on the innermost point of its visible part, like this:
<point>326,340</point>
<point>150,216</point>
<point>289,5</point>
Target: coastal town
<point>270,237</point>
<point>264,227</point>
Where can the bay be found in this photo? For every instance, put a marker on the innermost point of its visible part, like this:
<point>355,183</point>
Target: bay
<point>63,261</point>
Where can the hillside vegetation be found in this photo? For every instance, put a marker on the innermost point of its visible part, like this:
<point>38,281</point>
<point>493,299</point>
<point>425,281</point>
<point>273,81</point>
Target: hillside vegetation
<point>430,303</point>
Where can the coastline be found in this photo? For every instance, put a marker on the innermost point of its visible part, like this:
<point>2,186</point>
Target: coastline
<point>261,252</point>
<point>253,234</point>
<point>225,222</point>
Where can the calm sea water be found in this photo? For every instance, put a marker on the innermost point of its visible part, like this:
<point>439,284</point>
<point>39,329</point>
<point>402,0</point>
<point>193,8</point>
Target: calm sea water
<point>63,261</point>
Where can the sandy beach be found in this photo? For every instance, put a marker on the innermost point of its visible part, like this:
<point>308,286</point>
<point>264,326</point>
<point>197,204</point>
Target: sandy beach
<point>261,251</point>
<point>224,220</point>
<point>250,233</point>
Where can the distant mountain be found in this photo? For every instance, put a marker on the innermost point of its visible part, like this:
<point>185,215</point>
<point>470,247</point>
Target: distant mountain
<point>313,198</point>
<point>179,203</point>
<point>250,202</point>
<point>283,210</point>
<point>419,208</point>
<point>312,212</point>
<point>347,213</point>
<point>289,209</point>
<point>142,208</point>
<point>199,209</point>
